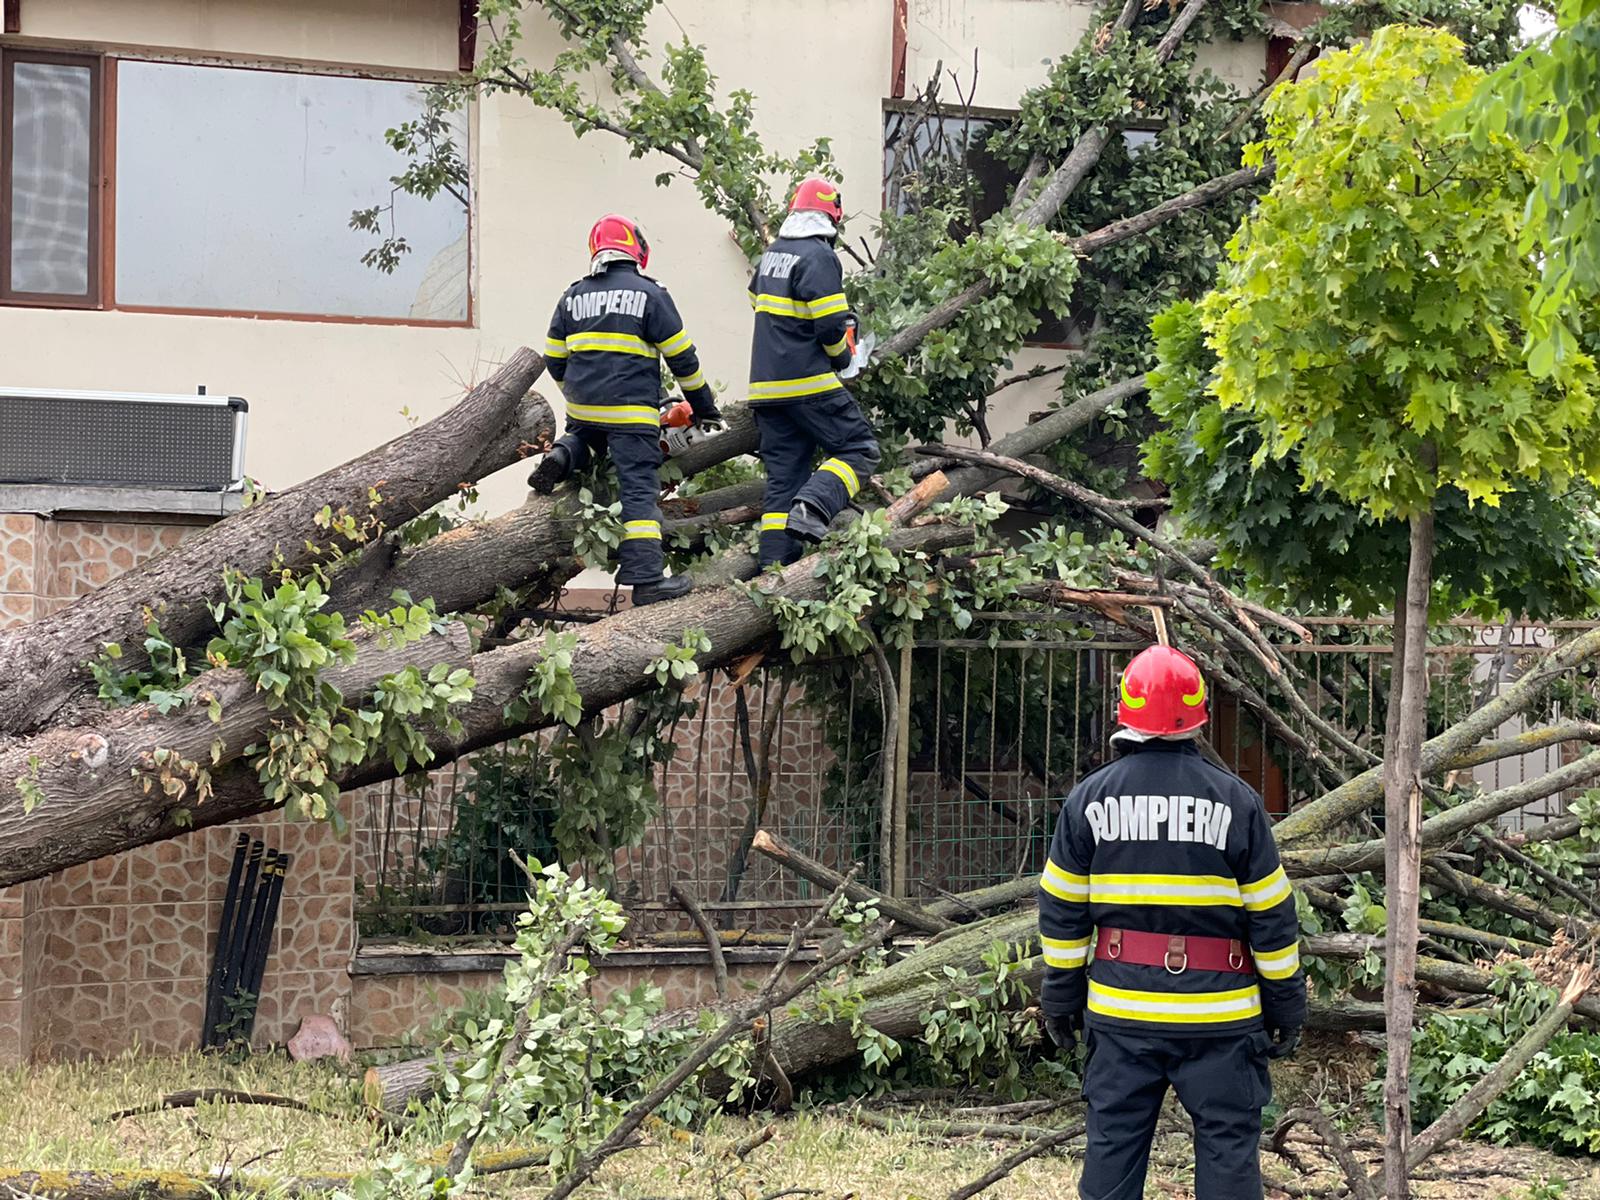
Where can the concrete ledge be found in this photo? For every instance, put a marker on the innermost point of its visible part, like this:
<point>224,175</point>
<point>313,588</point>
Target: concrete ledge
<point>387,960</point>
<point>50,499</point>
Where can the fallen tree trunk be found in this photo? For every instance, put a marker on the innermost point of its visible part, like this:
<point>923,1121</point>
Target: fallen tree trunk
<point>1353,798</point>
<point>392,1086</point>
<point>533,545</point>
<point>71,794</point>
<point>608,666</point>
<point>498,422</point>
<point>464,567</point>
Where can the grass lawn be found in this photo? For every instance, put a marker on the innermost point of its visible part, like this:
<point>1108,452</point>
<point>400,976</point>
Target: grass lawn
<point>55,1118</point>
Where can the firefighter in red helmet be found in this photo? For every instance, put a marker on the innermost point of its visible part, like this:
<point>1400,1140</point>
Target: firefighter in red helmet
<point>1168,929</point>
<point>801,341</point>
<point>609,333</point>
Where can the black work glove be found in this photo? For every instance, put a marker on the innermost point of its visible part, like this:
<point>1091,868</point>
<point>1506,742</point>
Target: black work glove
<point>708,417</point>
<point>1285,1040</point>
<point>1063,1031</point>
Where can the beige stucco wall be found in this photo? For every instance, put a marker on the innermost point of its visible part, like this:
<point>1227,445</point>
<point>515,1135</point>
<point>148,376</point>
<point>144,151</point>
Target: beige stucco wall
<point>321,392</point>
<point>396,34</point>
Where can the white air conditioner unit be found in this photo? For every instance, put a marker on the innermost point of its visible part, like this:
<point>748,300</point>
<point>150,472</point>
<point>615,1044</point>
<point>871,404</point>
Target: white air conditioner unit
<point>135,440</point>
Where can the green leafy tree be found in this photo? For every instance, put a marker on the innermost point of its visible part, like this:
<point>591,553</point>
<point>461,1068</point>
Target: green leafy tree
<point>1369,321</point>
<point>1549,96</point>
<point>1308,549</point>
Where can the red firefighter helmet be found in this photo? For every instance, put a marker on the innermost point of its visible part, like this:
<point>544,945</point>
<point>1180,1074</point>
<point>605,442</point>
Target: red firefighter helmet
<point>1163,693</point>
<point>818,195</point>
<point>616,232</point>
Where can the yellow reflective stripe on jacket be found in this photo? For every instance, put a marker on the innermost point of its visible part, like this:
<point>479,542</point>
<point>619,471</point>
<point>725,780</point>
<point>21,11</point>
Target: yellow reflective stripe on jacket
<point>1277,964</point>
<point>805,310</point>
<point>676,344</point>
<point>690,382</point>
<point>779,306</point>
<point>633,530</point>
<point>783,389</point>
<point>1180,1008</point>
<point>1266,893</point>
<point>615,414</point>
<point>1065,953</point>
<point>555,348</point>
<point>845,472</point>
<point>836,349</point>
<point>1064,885</point>
<point>1195,890</point>
<point>610,343</point>
<point>827,306</point>
<point>774,521</point>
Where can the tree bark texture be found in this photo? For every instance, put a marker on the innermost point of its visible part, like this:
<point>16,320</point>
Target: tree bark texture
<point>500,420</point>
<point>392,1086</point>
<point>90,810</point>
<point>104,786</point>
<point>1403,857</point>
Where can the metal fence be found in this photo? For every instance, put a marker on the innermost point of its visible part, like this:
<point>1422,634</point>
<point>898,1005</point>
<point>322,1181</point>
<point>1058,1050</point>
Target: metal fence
<point>997,727</point>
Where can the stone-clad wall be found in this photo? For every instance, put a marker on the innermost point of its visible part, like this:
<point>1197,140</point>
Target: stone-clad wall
<point>115,953</point>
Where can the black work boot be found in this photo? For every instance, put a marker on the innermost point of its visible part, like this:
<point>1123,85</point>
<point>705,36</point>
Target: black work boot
<point>555,466</point>
<point>665,588</point>
<point>806,523</point>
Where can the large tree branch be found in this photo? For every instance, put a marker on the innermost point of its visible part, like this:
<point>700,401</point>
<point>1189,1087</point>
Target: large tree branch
<point>498,422</point>
<point>107,786</point>
<point>1444,828</point>
<point>1334,808</point>
<point>106,814</point>
<point>1042,208</point>
<point>1206,193</point>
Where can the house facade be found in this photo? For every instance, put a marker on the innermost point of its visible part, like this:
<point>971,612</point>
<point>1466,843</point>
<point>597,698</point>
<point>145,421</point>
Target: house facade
<point>176,184</point>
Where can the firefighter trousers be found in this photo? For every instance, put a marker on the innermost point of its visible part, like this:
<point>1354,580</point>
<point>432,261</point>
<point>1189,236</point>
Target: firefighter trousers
<point>636,455</point>
<point>790,436</point>
<point>1221,1082</point>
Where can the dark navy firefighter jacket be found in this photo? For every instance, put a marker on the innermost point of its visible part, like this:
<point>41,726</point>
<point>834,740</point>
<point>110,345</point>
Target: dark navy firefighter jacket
<point>798,294</point>
<point>1162,841</point>
<point>606,340</point>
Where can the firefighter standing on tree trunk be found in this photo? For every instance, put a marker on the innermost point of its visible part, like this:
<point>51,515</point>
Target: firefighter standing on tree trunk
<point>608,335</point>
<point>802,338</point>
<point>1165,913</point>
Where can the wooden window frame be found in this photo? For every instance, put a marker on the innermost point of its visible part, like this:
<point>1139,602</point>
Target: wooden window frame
<point>103,201</point>
<point>99,188</point>
<point>109,279</point>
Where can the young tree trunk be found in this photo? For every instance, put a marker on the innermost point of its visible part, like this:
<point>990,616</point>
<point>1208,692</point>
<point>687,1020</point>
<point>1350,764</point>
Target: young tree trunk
<point>1407,723</point>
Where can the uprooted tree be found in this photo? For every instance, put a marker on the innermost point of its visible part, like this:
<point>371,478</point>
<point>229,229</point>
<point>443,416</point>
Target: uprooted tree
<point>356,628</point>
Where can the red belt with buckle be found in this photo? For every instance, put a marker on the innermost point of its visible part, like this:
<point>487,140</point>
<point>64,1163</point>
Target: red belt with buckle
<point>1176,954</point>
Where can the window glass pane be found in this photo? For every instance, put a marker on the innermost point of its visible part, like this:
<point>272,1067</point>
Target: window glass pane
<point>50,190</point>
<point>235,188</point>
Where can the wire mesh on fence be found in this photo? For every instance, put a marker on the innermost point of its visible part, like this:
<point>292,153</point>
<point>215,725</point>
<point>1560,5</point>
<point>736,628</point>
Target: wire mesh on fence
<point>999,725</point>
